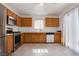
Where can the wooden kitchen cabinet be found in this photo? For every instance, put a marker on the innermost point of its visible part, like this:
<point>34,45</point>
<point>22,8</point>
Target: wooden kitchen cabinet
<point>43,38</point>
<point>57,37</point>
<point>9,43</point>
<point>27,38</point>
<point>52,22</point>
<point>38,37</point>
<point>18,21</point>
<point>26,22</point>
<point>34,38</point>
<point>10,13</point>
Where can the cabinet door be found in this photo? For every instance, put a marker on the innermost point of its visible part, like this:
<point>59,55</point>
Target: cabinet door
<point>38,38</point>
<point>58,37</point>
<point>52,22</point>
<point>9,43</point>
<point>27,38</point>
<point>42,38</point>
<point>29,22</point>
<point>35,38</point>
<point>18,21</point>
<point>26,22</point>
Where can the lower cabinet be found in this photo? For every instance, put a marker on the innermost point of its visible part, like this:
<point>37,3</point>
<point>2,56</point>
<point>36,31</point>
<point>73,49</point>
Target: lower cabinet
<point>43,38</point>
<point>38,38</point>
<point>34,37</point>
<point>27,38</point>
<point>9,43</point>
<point>57,37</point>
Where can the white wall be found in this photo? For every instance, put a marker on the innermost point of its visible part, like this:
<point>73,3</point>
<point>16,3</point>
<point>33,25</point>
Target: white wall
<point>45,29</point>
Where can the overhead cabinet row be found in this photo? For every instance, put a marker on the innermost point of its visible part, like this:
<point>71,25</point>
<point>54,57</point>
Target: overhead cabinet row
<point>27,22</point>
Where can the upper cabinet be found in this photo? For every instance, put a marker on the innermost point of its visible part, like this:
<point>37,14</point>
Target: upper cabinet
<point>26,22</point>
<point>18,21</point>
<point>10,13</point>
<point>52,22</point>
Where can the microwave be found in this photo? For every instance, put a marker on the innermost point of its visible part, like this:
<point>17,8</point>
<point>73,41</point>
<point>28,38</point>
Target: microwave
<point>11,21</point>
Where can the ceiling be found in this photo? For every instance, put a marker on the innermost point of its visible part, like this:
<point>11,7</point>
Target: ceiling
<point>30,9</point>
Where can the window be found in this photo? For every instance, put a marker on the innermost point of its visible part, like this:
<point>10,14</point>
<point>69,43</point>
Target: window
<point>38,24</point>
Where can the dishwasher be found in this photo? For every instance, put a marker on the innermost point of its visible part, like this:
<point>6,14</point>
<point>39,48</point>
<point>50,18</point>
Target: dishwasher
<point>50,37</point>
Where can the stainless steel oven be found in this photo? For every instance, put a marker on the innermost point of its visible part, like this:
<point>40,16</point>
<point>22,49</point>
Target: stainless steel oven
<point>17,39</point>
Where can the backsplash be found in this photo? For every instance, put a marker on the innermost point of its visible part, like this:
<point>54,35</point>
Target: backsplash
<point>31,29</point>
<point>24,29</point>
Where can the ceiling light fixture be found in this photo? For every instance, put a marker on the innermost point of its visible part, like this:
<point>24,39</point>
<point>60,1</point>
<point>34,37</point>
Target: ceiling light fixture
<point>41,4</point>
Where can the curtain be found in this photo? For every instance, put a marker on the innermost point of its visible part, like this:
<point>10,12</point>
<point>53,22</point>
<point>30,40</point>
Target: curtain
<point>65,30</point>
<point>71,29</point>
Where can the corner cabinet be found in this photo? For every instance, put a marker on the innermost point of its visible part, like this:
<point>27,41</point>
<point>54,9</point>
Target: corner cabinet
<point>26,22</point>
<point>52,22</point>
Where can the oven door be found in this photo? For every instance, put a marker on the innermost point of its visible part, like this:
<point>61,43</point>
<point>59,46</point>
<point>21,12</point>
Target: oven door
<point>17,40</point>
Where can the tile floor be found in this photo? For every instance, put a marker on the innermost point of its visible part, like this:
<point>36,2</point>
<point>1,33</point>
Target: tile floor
<point>43,50</point>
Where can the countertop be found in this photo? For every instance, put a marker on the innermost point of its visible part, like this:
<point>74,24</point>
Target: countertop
<point>41,32</point>
<point>47,33</point>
